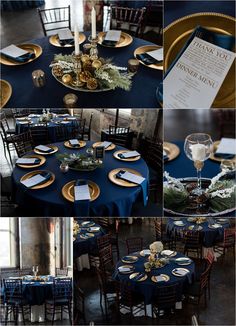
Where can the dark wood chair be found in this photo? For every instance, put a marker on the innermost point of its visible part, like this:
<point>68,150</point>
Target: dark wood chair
<point>62,299</point>
<point>61,133</point>
<point>87,129</point>
<point>153,19</point>
<point>106,260</point>
<point>78,128</point>
<point>5,125</point>
<point>79,305</point>
<point>62,271</point>
<point>134,244</point>
<point>23,143</point>
<point>228,242</point>
<point>39,134</point>
<point>161,235</point>
<point>226,120</point>
<point>164,300</point>
<point>119,136</point>
<point>193,243</point>
<point>127,19</point>
<point>19,113</point>
<point>54,19</point>
<point>8,145</point>
<point>25,271</point>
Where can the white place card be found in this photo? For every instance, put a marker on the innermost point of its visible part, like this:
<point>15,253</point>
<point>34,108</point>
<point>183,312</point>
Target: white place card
<point>74,142</point>
<point>13,51</point>
<point>130,154</point>
<point>43,148</point>
<point>26,160</point>
<point>227,146</point>
<point>197,76</point>
<point>123,269</point>
<point>82,192</point>
<point>156,54</point>
<point>65,34</point>
<point>33,181</point>
<point>146,252</point>
<point>94,228</point>
<point>106,144</point>
<point>113,35</point>
<point>132,177</point>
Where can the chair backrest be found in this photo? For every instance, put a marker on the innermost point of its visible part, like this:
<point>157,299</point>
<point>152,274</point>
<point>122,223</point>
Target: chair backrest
<point>210,257</point>
<point>39,134</point>
<point>61,133</point>
<point>152,152</point>
<point>62,288</point>
<point>158,229</point>
<point>79,302</point>
<point>80,125</point>
<point>54,19</point>
<point>192,239</point>
<point>7,273</point>
<point>119,135</point>
<point>229,237</point>
<point>62,271</point>
<point>125,294</point>
<point>104,222</point>
<point>204,278</point>
<point>127,19</point>
<point>23,143</point>
<point>166,296</point>
<point>106,258</point>
<point>90,121</point>
<point>13,289</point>
<point>103,241</point>
<point>4,127</point>
<point>134,244</point>
<point>19,113</point>
<point>25,271</point>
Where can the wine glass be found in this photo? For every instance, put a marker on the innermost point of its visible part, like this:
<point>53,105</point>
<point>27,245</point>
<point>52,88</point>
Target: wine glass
<point>198,148</point>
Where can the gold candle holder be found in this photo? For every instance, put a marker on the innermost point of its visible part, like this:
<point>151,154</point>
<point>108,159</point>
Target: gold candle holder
<point>94,48</point>
<point>133,65</point>
<point>70,100</point>
<point>38,77</point>
<point>86,48</point>
<point>78,68</point>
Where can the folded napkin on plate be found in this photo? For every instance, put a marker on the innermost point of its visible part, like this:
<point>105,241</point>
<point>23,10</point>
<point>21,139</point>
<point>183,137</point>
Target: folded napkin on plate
<point>224,156</point>
<point>37,179</point>
<point>146,252</point>
<point>124,269</point>
<point>138,277</point>
<point>182,260</point>
<point>129,154</point>
<point>133,178</point>
<point>111,38</point>
<point>82,198</point>
<point>28,161</point>
<point>181,272</point>
<point>167,252</point>
<point>65,37</point>
<point>17,54</point>
<point>147,59</point>
<point>74,142</point>
<point>43,148</point>
<point>106,144</point>
<point>160,278</point>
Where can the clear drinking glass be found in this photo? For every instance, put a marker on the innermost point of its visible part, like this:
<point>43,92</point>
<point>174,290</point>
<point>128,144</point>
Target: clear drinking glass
<point>198,148</point>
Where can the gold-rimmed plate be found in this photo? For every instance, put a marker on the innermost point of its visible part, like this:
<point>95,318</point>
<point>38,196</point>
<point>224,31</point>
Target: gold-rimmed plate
<point>68,190</point>
<point>42,185</point>
<point>180,272</point>
<point>133,275</point>
<point>172,150</point>
<point>131,159</point>
<point>82,144</point>
<point>86,236</point>
<point>54,40</point>
<point>130,269</point>
<point>168,253</point>
<point>160,278</point>
<point>30,47</point>
<point>55,149</point>
<point>145,252</point>
<point>148,48</point>
<point>25,166</point>
<point>219,159</point>
<point>177,33</point>
<point>109,148</point>
<point>129,259</point>
<point>121,182</point>
<point>125,40</point>
<point>6,91</point>
<point>195,227</point>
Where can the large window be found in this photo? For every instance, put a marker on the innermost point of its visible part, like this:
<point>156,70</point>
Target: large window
<point>8,242</point>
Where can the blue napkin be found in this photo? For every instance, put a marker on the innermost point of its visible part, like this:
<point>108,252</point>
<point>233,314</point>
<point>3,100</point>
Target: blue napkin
<point>165,158</point>
<point>147,59</point>
<point>122,156</point>
<point>81,206</point>
<point>46,175</point>
<point>48,151</point>
<point>23,58</point>
<point>65,42</point>
<point>224,156</point>
<point>37,161</point>
<point>109,43</point>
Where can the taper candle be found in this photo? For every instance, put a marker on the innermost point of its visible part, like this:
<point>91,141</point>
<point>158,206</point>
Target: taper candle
<point>76,39</point>
<point>93,21</point>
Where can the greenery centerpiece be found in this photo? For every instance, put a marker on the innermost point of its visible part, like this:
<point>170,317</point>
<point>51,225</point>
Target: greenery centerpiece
<point>79,162</point>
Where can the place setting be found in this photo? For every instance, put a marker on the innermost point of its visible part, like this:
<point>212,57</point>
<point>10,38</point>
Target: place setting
<point>65,38</point>
<point>114,39</point>
<point>15,55</point>
<point>38,179</point>
<point>75,143</point>
<point>45,150</point>
<point>30,161</point>
<point>150,56</point>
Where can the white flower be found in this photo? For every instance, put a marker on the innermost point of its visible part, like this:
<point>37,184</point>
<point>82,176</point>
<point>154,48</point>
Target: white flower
<point>156,247</point>
<point>173,182</point>
<point>223,193</point>
<point>215,179</point>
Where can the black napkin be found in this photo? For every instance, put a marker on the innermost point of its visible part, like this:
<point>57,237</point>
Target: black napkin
<point>109,43</point>
<point>147,59</point>
<point>23,58</point>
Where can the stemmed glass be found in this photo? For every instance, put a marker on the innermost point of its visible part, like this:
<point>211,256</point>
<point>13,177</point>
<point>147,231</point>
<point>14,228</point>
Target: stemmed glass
<point>35,270</point>
<point>198,148</point>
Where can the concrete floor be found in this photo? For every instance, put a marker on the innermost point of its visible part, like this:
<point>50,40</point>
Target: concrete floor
<point>220,309</point>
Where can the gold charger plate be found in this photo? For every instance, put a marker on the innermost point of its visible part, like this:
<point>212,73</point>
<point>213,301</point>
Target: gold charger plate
<point>30,47</point>
<point>41,186</point>
<point>177,33</point>
<point>136,274</point>
<point>55,149</point>
<point>130,259</point>
<point>125,40</point>
<point>109,148</point>
<point>131,159</point>
<point>131,267</point>
<point>91,235</point>
<point>6,91</point>
<point>68,190</point>
<point>54,40</point>
<point>25,166</point>
<point>218,159</point>
<point>120,182</point>
<point>81,142</point>
<point>171,150</point>
<point>147,48</point>
<point>165,278</point>
<point>175,273</point>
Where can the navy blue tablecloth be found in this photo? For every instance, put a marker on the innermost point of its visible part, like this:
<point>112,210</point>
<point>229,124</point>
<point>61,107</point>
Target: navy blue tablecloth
<point>86,246</point>
<point>24,94</point>
<point>20,5</point>
<point>209,236</point>
<point>113,200</point>
<point>148,288</point>
<point>174,10</point>
<point>51,127</point>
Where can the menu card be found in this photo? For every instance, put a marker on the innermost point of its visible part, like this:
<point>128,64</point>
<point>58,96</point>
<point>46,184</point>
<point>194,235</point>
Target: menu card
<point>106,144</point>
<point>13,51</point>
<point>43,148</point>
<point>132,177</point>
<point>130,154</point>
<point>74,142</point>
<point>33,181</point>
<point>156,54</point>
<point>26,160</point>
<point>112,35</point>
<point>227,146</point>
<point>65,34</point>
<point>82,192</point>
<point>196,77</point>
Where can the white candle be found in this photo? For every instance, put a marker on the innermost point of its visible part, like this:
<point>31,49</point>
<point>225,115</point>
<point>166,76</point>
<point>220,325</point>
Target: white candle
<point>76,40</point>
<point>93,21</point>
<point>198,152</point>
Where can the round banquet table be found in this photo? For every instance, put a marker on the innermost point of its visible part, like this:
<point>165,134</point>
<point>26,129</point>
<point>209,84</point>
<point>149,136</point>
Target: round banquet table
<point>51,125</point>
<point>24,94</point>
<point>182,167</point>
<point>113,200</point>
<point>148,288</point>
<point>210,236</point>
